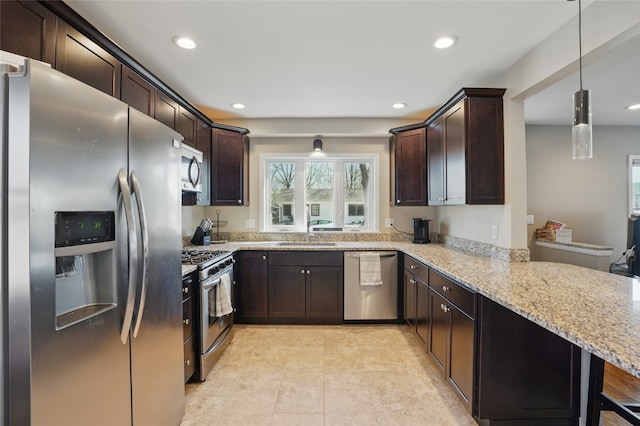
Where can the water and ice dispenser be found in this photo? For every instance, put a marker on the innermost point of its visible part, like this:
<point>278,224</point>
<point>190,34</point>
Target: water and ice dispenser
<point>85,251</point>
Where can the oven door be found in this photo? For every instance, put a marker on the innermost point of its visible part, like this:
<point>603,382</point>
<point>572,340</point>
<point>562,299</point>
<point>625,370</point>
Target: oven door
<point>215,328</point>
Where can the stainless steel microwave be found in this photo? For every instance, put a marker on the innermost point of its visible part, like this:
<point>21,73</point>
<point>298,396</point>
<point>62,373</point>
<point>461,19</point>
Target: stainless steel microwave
<point>191,169</point>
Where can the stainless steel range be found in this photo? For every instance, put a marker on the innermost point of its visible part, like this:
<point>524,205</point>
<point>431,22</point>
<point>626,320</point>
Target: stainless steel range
<point>215,302</point>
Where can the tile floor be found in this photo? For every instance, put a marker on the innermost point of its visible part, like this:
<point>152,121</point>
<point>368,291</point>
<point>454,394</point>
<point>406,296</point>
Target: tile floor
<point>323,375</point>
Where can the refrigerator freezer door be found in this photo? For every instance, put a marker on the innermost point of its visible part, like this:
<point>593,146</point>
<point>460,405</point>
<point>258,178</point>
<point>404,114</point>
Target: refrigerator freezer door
<point>157,350</point>
<point>77,144</point>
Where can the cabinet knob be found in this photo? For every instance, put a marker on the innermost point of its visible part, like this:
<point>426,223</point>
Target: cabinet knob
<point>412,281</point>
<point>444,307</point>
<point>185,290</point>
<point>239,201</point>
<point>308,272</point>
<point>446,288</point>
<point>264,257</point>
<point>186,321</point>
<point>198,199</point>
<point>413,266</point>
<point>302,271</point>
<point>187,362</point>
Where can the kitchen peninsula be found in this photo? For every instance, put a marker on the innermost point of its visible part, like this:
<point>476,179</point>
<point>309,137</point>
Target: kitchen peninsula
<point>594,310</point>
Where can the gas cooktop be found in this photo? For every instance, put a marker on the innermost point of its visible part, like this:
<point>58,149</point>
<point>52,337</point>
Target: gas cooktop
<point>202,257</point>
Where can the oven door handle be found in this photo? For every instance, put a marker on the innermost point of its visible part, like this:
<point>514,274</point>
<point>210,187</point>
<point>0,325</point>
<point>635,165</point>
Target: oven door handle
<point>209,286</point>
<point>144,231</point>
<point>133,257</point>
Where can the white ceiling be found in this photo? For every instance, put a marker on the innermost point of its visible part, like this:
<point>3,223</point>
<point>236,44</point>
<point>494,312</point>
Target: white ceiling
<point>355,58</point>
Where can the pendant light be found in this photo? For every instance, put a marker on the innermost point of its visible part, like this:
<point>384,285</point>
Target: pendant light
<point>581,135</point>
<point>317,145</point>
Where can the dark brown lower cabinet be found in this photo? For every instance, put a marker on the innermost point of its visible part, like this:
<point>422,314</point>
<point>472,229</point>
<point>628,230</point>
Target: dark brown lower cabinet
<point>287,291</point>
<point>251,277</point>
<point>324,292</point>
<point>422,311</point>
<point>189,286</point>
<point>410,300</point>
<point>526,374</point>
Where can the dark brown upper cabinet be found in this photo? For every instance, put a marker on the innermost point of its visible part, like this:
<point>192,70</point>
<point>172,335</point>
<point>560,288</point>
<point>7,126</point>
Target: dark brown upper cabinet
<point>187,126</point>
<point>166,110</point>
<point>84,60</point>
<point>465,149</point>
<point>137,92</point>
<point>229,168</point>
<point>27,28</point>
<point>408,168</point>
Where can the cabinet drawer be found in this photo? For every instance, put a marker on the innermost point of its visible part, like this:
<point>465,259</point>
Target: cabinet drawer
<point>456,293</point>
<point>189,359</point>
<point>188,286</point>
<point>418,269</point>
<point>306,258</point>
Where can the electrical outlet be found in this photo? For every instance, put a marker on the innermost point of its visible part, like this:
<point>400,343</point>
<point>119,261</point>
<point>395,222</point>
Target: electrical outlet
<point>530,219</point>
<point>494,232</point>
<point>249,223</point>
<point>388,222</point>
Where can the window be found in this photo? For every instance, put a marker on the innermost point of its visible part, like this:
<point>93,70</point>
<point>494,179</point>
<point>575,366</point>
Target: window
<point>634,184</point>
<point>337,192</point>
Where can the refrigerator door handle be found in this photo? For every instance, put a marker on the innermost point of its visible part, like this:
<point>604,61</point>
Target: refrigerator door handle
<point>133,261</point>
<point>145,251</point>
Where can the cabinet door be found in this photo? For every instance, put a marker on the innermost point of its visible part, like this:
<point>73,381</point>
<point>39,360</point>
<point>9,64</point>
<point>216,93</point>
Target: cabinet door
<point>455,156</point>
<point>228,167</point>
<point>460,371</point>
<point>187,126</point>
<point>324,292</point>
<point>166,110</point>
<point>410,169</point>
<point>287,291</point>
<point>422,312</point>
<point>410,300</point>
<point>203,144</point>
<point>251,271</point>
<point>137,92</point>
<point>27,28</point>
<point>84,60</point>
<point>435,162</point>
<point>439,330</point>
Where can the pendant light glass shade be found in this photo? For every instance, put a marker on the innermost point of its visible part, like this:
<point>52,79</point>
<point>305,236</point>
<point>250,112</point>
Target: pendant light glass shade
<point>581,135</point>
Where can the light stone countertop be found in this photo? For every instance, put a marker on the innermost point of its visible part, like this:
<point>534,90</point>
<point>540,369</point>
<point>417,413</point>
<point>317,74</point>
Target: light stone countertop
<point>598,311</point>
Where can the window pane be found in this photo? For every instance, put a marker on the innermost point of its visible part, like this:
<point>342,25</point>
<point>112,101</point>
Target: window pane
<point>635,186</point>
<point>319,193</point>
<point>356,181</point>
<point>282,201</point>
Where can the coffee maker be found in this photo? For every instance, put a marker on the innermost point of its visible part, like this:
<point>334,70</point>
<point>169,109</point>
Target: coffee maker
<point>421,230</point>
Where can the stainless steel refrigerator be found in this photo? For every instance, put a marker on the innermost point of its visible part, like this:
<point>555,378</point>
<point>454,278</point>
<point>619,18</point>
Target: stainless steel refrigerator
<point>90,255</point>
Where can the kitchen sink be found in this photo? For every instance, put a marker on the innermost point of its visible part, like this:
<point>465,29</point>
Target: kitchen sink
<point>306,243</point>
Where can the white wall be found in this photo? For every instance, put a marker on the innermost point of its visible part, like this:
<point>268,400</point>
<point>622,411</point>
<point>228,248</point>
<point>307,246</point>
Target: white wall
<point>591,196</point>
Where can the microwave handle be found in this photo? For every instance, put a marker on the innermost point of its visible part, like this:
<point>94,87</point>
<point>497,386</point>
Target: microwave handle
<point>194,160</point>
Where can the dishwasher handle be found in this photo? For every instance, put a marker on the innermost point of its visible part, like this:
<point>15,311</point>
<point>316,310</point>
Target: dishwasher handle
<point>381,255</point>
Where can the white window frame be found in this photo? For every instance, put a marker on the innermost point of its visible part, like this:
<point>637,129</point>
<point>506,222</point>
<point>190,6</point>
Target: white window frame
<point>299,219</point>
<point>634,161</point>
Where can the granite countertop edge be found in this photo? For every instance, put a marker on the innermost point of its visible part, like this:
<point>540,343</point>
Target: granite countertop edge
<point>593,309</point>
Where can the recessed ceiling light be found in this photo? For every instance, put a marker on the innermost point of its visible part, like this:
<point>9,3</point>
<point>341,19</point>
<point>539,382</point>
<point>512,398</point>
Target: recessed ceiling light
<point>184,42</point>
<point>237,105</point>
<point>445,41</point>
<point>399,105</point>
<point>633,107</point>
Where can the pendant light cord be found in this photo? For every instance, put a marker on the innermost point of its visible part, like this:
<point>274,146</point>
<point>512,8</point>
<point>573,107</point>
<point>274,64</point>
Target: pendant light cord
<point>580,38</point>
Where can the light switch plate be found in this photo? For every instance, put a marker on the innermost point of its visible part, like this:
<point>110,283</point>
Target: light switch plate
<point>530,219</point>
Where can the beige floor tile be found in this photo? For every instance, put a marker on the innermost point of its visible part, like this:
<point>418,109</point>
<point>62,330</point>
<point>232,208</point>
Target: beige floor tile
<point>323,375</point>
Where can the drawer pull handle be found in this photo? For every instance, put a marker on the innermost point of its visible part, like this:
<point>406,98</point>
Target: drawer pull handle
<point>444,307</point>
<point>446,288</point>
<point>414,267</point>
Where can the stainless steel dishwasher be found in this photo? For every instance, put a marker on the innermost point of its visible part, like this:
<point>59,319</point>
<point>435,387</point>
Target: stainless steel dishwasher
<point>371,302</point>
